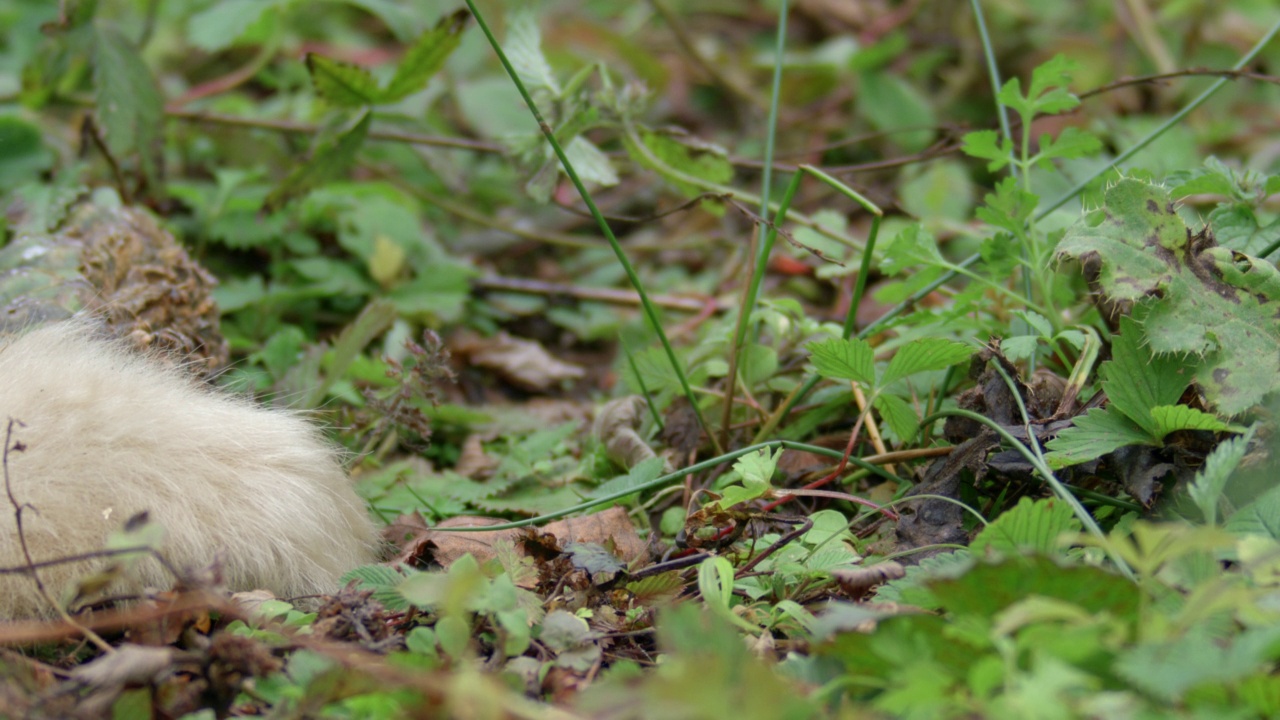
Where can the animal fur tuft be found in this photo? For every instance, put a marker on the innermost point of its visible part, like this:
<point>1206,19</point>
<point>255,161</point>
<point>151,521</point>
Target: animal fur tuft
<point>109,433</point>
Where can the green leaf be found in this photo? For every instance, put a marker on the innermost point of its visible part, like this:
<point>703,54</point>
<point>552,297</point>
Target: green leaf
<point>384,581</point>
<point>1206,300</point>
<point>924,354</point>
<point>891,104</point>
<point>844,359</point>
<point>756,470</point>
<point>1093,435</point>
<point>988,145</point>
<point>1029,526</point>
<point>1260,517</point>
<point>1169,669</point>
<point>758,364</point>
<point>524,49</point>
<point>701,160</point>
<point>1136,381</point>
<point>426,56</point>
<point>330,158</point>
<point>1170,418</point>
<point>1009,207</point>
<point>221,24</point>
<point>911,247</point>
<point>342,84</point>
<point>591,164</point>
<point>23,155</point>
<point>1049,83</point>
<point>644,471</point>
<point>1070,143</point>
<point>990,587</point>
<point>128,105</point>
<point>1206,489</point>
<point>899,414</point>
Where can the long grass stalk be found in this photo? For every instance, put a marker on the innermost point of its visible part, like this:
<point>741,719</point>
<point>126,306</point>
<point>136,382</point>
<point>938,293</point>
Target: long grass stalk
<point>650,312</point>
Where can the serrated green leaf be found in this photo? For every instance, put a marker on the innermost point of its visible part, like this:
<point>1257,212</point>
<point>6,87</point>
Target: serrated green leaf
<point>1260,517</point>
<point>990,587</point>
<point>330,158</point>
<point>899,414</point>
<point>839,359</point>
<point>1170,418</point>
<point>1033,526</point>
<point>925,354</point>
<point>1204,183</point>
<point>1206,489</point>
<point>1136,381</point>
<point>1093,435</point>
<point>426,56</point>
<point>128,105</point>
<point>342,84</point>
<point>384,581</point>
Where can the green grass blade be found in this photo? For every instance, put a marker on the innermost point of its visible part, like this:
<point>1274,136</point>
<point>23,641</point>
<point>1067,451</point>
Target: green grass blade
<point>650,312</point>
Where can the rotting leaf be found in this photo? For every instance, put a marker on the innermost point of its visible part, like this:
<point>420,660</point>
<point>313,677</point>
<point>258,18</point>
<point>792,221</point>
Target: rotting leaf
<point>1194,297</point>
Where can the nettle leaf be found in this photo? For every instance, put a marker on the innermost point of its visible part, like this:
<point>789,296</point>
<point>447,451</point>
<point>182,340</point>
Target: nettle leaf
<point>1206,489</point>
<point>1207,300</point>
<point>925,354</point>
<point>426,56</point>
<point>1137,381</point>
<point>128,106</point>
<point>1029,526</point>
<point>844,359</point>
<point>329,159</point>
<point>341,83</point>
<point>1093,435</point>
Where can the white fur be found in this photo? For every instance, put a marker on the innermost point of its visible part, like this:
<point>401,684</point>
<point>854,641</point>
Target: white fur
<point>110,433</point>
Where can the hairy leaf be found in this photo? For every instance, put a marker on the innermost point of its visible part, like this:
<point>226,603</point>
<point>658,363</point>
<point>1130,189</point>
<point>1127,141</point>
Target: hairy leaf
<point>1202,299</point>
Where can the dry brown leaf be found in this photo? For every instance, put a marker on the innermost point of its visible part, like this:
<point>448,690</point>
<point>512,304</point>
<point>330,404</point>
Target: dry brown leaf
<point>521,362</point>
